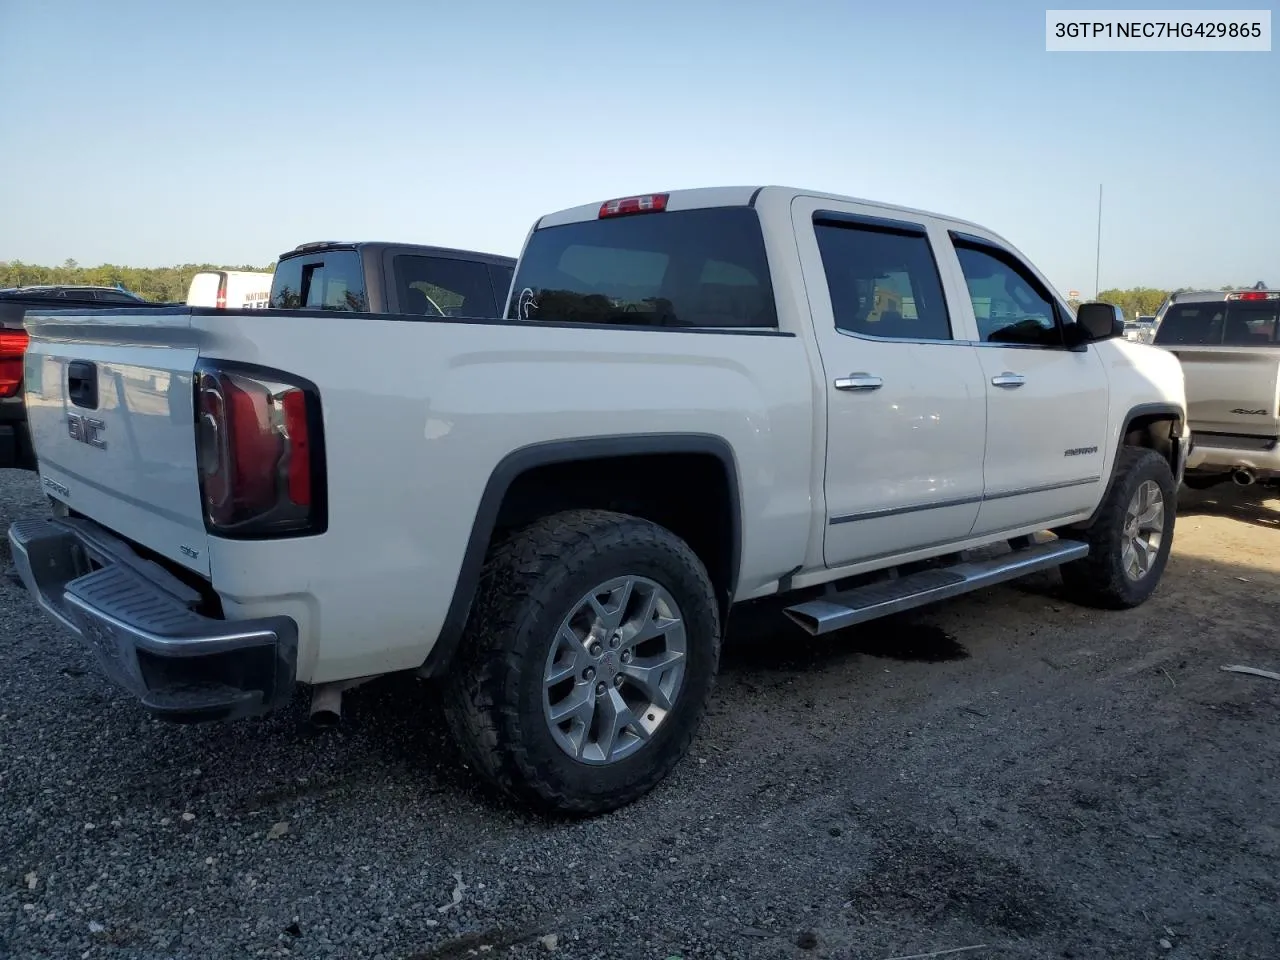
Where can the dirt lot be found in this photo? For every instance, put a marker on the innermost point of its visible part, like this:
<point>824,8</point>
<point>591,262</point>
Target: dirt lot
<point>1006,770</point>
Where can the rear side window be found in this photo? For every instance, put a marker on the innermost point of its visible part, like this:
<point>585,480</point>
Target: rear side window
<point>1192,324</point>
<point>685,268</point>
<point>883,283</point>
<point>443,287</point>
<point>327,281</point>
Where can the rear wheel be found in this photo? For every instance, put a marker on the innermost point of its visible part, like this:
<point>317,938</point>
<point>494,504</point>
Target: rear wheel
<point>589,657</point>
<point>1130,539</point>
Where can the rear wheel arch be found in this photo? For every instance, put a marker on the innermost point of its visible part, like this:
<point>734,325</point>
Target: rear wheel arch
<point>506,503</point>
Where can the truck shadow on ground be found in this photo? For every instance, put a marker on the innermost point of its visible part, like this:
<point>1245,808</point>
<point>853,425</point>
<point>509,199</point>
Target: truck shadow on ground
<point>1253,505</point>
<point>760,637</point>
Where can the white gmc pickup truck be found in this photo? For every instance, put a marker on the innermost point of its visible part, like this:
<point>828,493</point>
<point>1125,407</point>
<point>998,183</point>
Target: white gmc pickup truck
<point>694,399</point>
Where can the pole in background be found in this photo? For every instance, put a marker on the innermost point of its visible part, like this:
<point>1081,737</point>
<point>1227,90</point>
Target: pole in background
<point>1097,267</point>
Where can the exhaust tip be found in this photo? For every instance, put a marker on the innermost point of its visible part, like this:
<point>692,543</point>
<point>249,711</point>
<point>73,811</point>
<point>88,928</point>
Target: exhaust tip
<point>326,702</point>
<point>1243,478</point>
<point>325,719</point>
<point>326,706</point>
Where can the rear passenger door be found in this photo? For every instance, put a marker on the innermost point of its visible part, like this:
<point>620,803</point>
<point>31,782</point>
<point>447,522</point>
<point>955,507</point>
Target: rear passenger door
<point>1047,405</point>
<point>440,286</point>
<point>906,407</point>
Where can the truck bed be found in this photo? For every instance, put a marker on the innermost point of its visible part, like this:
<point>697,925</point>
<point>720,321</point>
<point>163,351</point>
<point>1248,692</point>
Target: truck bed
<point>417,416</point>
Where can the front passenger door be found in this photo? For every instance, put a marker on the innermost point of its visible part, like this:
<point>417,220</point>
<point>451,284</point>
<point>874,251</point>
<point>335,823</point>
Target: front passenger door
<point>1046,404</point>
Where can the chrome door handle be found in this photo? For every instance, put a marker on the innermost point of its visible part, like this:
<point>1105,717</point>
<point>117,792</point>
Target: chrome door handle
<point>859,381</point>
<point>1008,379</point>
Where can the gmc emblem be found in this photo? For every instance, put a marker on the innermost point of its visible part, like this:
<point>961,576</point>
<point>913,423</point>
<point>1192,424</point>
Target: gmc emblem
<point>86,430</point>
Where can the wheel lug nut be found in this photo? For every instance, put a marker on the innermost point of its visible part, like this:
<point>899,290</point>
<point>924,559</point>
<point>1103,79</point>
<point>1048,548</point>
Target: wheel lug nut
<point>626,656</point>
<point>617,680</point>
<point>589,673</point>
<point>596,649</point>
<point>600,688</point>
<point>616,640</point>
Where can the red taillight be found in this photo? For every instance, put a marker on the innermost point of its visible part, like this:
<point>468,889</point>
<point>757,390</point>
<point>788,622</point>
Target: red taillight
<point>648,203</point>
<point>1253,295</point>
<point>221,302</point>
<point>295,426</point>
<point>13,348</point>
<point>257,450</point>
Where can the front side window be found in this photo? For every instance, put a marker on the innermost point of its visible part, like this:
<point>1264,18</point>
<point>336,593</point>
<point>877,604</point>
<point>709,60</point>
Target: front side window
<point>1010,305</point>
<point>883,282</point>
<point>683,269</point>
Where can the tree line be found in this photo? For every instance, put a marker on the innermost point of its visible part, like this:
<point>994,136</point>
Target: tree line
<point>1145,301</point>
<point>165,284</point>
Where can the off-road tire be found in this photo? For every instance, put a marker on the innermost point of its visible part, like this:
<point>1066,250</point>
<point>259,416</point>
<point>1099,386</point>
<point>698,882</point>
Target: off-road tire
<point>493,692</point>
<point>1099,580</point>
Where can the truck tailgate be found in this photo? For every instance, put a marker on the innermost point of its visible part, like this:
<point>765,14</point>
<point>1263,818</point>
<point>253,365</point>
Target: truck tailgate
<point>110,405</point>
<point>1232,389</point>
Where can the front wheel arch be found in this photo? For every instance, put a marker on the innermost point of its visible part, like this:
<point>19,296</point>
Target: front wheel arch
<point>1154,426</point>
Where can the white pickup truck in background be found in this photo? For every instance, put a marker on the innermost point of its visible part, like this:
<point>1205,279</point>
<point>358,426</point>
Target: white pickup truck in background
<point>695,399</point>
<point>1229,347</point>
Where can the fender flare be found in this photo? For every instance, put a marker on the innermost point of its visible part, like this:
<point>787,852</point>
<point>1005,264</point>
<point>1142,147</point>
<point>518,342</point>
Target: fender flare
<point>1135,413</point>
<point>547,453</point>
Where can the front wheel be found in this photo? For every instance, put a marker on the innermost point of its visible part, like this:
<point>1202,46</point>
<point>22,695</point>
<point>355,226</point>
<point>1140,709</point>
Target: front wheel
<point>587,663</point>
<point>1130,538</point>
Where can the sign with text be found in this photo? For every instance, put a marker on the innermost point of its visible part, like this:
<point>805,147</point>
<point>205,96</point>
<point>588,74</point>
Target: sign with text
<point>1136,31</point>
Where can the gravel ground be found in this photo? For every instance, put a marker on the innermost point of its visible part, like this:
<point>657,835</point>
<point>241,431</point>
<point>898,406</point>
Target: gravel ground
<point>1005,770</point>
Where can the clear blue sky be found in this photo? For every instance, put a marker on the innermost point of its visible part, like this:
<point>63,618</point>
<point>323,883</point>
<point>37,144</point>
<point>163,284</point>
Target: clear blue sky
<point>149,133</point>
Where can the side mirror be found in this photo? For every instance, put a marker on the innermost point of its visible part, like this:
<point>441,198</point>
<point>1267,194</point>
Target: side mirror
<point>1096,321</point>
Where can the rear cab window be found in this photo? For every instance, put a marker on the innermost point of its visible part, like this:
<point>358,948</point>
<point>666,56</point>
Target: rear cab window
<point>703,268</point>
<point>326,280</point>
<point>1197,324</point>
<point>1252,324</point>
<point>1212,323</point>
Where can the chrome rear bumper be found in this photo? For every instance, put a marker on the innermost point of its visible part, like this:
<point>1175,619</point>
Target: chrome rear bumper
<point>142,625</point>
